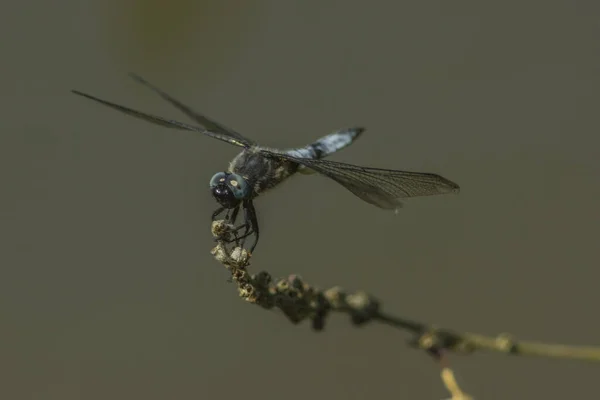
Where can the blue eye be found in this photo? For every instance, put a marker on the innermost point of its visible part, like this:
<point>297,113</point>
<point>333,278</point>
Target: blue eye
<point>218,178</point>
<point>238,186</point>
<point>232,183</point>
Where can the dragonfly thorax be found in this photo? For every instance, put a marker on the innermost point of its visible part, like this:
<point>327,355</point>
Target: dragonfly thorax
<point>229,189</point>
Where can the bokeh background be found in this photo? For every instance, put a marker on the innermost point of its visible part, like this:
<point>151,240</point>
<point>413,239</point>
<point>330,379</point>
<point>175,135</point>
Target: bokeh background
<point>108,289</point>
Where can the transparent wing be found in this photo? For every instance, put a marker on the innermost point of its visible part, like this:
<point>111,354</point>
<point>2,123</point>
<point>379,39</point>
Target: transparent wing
<point>383,188</point>
<point>199,118</point>
<point>169,123</point>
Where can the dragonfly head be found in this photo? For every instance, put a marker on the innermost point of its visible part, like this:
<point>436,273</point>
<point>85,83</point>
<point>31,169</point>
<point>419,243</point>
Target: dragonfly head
<point>229,189</point>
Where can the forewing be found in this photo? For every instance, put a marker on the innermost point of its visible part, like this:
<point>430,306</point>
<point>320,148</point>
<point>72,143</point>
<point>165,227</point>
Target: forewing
<point>383,188</point>
<point>199,118</point>
<point>169,123</point>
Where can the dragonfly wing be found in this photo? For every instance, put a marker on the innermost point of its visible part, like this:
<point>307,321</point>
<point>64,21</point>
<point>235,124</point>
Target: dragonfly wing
<point>203,120</point>
<point>169,123</point>
<point>384,188</point>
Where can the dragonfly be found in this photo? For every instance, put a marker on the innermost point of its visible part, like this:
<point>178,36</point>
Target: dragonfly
<point>257,169</point>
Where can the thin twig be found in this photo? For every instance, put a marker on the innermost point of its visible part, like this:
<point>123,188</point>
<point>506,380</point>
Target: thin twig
<point>301,301</point>
<point>452,386</point>
<point>464,342</point>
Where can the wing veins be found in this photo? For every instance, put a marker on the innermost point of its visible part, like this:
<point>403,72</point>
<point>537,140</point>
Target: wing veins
<point>203,120</point>
<point>381,187</point>
<point>154,119</point>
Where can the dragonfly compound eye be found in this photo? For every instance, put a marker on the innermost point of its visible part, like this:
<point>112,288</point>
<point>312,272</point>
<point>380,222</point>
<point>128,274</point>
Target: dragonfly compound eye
<point>229,189</point>
<point>238,186</point>
<point>218,178</point>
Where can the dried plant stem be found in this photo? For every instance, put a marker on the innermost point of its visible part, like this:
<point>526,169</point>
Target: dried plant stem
<point>301,301</point>
<point>464,342</point>
<point>452,386</point>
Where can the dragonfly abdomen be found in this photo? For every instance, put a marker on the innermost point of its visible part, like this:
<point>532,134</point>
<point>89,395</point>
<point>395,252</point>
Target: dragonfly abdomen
<point>327,144</point>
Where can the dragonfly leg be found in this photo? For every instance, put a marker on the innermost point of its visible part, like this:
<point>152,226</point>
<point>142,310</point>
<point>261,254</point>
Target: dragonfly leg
<point>250,225</point>
<point>237,238</point>
<point>245,225</point>
<point>231,220</point>
<point>230,217</point>
<point>234,215</point>
<point>251,215</point>
<point>217,212</point>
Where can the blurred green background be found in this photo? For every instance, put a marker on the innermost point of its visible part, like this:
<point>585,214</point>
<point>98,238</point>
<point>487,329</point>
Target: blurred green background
<point>108,289</point>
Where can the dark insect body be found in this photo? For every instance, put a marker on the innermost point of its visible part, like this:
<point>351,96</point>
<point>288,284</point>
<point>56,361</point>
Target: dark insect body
<point>257,169</point>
